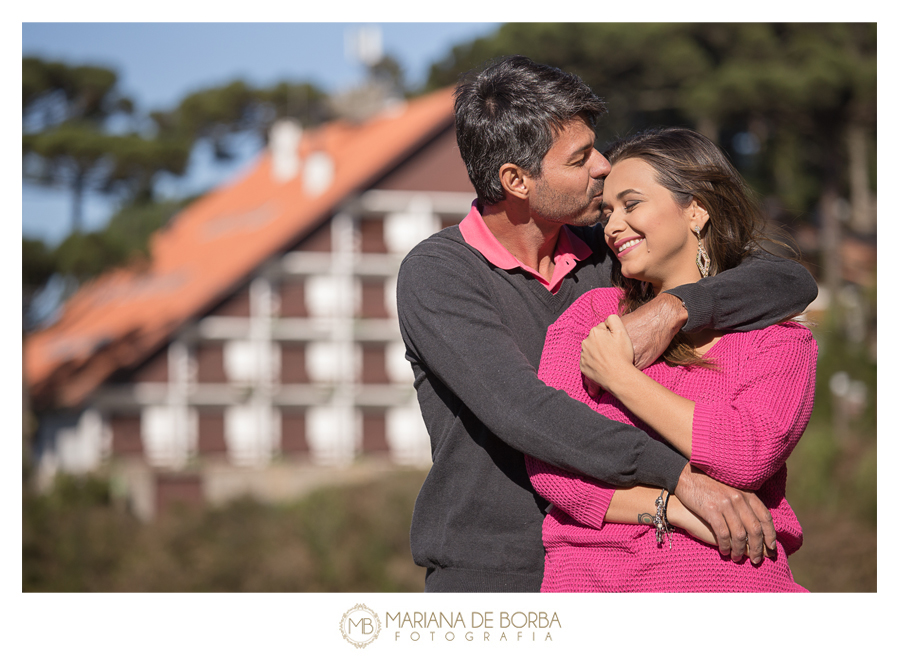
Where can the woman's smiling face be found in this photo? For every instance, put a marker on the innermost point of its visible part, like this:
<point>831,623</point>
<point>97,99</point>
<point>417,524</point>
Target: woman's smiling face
<point>647,229</point>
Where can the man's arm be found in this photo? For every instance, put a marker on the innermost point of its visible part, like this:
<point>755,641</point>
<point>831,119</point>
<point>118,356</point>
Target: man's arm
<point>761,291</point>
<point>637,505</point>
<point>739,522</point>
<point>452,327</point>
<point>739,519</point>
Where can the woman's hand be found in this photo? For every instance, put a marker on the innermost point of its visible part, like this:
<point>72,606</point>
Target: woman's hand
<point>606,352</point>
<point>606,359</point>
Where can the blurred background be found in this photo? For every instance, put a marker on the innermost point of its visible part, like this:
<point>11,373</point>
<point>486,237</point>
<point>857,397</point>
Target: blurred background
<point>214,391</point>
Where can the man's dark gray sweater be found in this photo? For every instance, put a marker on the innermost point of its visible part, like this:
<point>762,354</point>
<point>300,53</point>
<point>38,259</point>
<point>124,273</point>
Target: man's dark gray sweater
<point>474,335</point>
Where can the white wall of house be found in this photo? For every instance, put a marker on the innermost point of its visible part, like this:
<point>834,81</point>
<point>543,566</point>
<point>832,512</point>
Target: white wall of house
<point>335,396</point>
<point>82,448</point>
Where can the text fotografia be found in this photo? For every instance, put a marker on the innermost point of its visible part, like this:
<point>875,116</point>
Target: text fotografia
<point>478,626</point>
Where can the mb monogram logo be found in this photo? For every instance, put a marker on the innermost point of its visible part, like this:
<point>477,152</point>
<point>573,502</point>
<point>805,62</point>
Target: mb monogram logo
<point>360,626</point>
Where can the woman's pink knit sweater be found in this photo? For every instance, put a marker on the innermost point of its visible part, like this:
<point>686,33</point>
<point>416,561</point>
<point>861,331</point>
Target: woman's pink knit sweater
<point>749,415</point>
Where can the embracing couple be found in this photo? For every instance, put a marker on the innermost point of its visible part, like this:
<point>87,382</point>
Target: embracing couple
<point>603,359</point>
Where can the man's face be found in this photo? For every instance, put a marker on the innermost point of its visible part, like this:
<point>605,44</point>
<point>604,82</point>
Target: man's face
<point>570,187</point>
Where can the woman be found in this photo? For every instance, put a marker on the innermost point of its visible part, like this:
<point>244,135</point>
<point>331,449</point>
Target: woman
<point>675,210</point>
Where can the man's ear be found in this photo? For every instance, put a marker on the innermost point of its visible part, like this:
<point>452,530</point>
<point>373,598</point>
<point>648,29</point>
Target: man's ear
<point>514,180</point>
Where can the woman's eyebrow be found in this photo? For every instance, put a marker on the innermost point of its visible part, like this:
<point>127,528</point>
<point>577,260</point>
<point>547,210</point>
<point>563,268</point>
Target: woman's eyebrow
<point>604,205</point>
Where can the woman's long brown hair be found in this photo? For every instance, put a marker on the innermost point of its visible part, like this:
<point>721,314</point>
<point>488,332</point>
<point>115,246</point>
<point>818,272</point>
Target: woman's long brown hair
<point>690,166</point>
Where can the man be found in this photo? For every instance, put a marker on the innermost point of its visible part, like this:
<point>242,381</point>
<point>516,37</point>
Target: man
<point>474,304</point>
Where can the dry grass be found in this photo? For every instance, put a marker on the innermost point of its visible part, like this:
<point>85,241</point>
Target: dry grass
<point>342,539</point>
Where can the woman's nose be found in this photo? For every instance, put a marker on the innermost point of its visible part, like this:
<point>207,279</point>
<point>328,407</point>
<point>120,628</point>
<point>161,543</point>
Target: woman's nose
<point>613,226</point>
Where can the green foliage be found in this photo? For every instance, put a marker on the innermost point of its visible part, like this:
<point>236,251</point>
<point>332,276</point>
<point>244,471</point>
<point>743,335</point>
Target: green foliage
<point>216,113</point>
<point>38,267</point>
<point>37,264</point>
<point>803,84</point>
<point>341,539</point>
<point>57,92</point>
<point>71,534</point>
<point>388,71</point>
<point>134,223</point>
<point>85,255</point>
<point>834,467</point>
<point>83,157</point>
<point>82,256</point>
<point>832,479</point>
<point>65,141</point>
<point>361,535</point>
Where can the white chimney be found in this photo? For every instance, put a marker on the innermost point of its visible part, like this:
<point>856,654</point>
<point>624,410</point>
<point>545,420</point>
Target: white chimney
<point>284,144</point>
<point>364,44</point>
<point>318,173</point>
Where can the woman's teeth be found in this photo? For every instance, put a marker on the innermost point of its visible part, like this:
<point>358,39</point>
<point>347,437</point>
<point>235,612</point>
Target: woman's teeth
<point>628,244</point>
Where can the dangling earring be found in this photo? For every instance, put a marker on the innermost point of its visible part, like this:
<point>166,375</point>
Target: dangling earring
<point>703,260</point>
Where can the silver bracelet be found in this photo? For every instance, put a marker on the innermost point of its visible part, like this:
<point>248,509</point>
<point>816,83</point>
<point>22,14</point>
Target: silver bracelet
<point>661,521</point>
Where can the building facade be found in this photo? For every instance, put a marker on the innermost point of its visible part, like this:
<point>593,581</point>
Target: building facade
<point>295,364</point>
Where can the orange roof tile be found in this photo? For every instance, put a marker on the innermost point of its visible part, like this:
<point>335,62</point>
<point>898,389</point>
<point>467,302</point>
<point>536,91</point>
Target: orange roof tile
<point>121,317</point>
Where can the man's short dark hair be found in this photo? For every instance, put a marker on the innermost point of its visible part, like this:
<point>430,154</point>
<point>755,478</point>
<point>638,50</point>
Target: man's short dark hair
<point>511,112</point>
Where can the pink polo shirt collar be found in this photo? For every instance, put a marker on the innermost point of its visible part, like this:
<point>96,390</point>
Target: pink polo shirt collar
<point>569,249</point>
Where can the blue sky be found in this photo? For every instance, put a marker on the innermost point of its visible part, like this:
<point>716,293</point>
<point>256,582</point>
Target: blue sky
<point>160,63</point>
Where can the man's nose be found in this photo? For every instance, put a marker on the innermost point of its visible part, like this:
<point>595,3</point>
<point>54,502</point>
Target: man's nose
<point>600,166</point>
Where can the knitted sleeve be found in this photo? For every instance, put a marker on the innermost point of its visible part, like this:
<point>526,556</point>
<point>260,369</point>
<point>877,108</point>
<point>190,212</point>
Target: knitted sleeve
<point>745,439</point>
<point>584,499</point>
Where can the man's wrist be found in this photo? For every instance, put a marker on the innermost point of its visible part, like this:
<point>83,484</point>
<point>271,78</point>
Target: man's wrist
<point>676,311</point>
<point>699,299</point>
<point>660,465</point>
<point>684,481</point>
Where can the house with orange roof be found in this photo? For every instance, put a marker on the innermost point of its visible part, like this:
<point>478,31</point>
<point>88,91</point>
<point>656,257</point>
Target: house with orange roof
<point>260,341</point>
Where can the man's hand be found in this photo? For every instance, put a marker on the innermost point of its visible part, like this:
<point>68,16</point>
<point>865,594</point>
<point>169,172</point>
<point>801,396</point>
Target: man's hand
<point>653,326</point>
<point>738,519</point>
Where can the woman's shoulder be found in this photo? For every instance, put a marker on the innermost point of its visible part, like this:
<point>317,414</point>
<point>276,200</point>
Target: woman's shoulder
<point>784,338</point>
<point>790,330</point>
